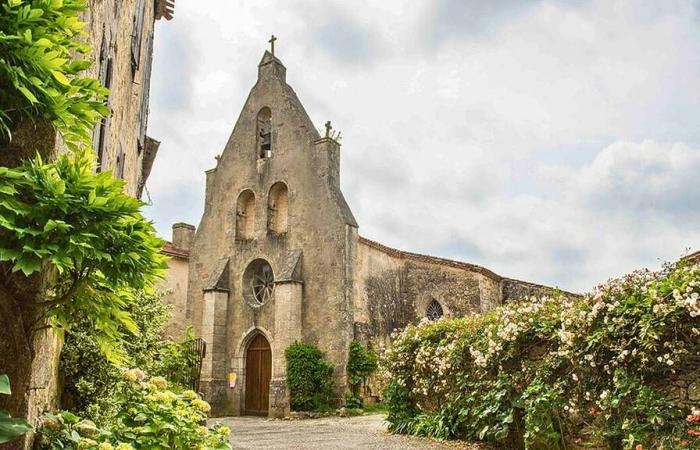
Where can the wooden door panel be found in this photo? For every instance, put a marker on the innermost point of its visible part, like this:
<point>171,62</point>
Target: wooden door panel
<point>258,375</point>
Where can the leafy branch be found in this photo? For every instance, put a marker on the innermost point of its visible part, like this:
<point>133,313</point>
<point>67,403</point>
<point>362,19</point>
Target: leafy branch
<point>40,69</point>
<point>81,226</point>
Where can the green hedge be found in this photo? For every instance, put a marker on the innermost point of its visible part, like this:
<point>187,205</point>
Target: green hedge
<point>309,378</point>
<point>544,373</point>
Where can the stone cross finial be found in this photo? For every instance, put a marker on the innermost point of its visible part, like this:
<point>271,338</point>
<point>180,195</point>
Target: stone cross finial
<point>328,128</point>
<point>272,44</point>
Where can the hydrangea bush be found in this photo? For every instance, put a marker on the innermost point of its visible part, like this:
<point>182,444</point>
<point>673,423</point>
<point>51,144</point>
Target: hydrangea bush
<point>150,416</point>
<point>552,372</point>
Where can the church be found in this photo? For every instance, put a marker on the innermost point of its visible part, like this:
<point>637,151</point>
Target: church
<point>277,258</point>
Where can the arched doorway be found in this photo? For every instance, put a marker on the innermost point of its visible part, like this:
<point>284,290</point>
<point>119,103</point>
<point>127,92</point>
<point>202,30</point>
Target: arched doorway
<point>258,371</point>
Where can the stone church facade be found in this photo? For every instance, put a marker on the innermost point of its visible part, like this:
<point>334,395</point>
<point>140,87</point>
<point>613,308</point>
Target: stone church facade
<point>277,258</point>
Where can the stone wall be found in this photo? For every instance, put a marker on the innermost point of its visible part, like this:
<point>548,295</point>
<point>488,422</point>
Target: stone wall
<point>174,285</point>
<point>394,289</point>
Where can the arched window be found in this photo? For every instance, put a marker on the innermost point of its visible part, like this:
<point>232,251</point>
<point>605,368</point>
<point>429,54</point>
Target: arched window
<point>278,208</point>
<point>245,215</point>
<point>264,133</point>
<point>434,310</point>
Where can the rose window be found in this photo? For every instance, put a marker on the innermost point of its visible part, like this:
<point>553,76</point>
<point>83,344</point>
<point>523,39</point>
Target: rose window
<point>258,283</point>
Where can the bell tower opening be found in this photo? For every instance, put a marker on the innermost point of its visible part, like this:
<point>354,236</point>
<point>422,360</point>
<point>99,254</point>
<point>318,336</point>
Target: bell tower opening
<point>278,208</point>
<point>245,215</point>
<point>264,133</point>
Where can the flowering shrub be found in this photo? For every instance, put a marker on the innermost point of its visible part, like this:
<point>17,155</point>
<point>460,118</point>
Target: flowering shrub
<point>149,416</point>
<point>547,372</point>
<point>90,379</point>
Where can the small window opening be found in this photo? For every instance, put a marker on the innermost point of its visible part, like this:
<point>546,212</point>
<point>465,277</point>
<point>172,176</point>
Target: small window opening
<point>265,133</point>
<point>434,310</point>
<point>245,215</point>
<point>278,208</point>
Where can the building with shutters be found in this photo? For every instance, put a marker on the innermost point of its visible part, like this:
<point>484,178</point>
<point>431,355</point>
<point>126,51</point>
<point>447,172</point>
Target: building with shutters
<point>278,258</point>
<point>120,33</point>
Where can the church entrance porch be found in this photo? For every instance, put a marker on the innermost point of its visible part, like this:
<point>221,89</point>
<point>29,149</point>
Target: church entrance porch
<point>258,373</point>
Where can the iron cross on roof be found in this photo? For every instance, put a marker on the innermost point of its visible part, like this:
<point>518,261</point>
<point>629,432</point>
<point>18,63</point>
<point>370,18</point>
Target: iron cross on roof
<point>272,44</point>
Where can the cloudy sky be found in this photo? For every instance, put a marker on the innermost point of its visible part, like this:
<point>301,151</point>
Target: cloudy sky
<point>552,141</point>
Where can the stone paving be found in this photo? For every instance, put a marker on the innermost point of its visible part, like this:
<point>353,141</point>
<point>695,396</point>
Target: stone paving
<point>363,432</point>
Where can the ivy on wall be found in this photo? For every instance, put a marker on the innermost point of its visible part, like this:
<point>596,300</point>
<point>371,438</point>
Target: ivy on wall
<point>362,362</point>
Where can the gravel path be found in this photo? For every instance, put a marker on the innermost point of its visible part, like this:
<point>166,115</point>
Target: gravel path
<point>366,432</point>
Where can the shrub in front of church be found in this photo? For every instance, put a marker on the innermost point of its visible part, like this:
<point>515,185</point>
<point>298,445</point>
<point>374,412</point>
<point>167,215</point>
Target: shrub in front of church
<point>148,415</point>
<point>612,369</point>
<point>362,362</point>
<point>309,378</point>
<point>90,379</point>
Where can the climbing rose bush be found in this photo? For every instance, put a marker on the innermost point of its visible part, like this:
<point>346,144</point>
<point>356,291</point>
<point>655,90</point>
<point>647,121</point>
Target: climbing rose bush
<point>550,372</point>
<point>150,416</point>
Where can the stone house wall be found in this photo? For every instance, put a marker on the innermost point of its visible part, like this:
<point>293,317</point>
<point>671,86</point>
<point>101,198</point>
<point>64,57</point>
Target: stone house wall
<point>174,286</point>
<point>110,25</point>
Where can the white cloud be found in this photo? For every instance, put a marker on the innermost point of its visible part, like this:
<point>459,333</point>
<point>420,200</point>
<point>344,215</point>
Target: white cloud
<point>535,143</point>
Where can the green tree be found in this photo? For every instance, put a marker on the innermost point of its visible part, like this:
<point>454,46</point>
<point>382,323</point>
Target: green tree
<point>73,245</point>
<point>89,378</point>
<point>40,69</point>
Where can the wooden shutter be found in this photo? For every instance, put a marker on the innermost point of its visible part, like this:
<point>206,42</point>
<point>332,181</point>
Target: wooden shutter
<point>145,92</point>
<point>136,35</point>
<point>101,134</point>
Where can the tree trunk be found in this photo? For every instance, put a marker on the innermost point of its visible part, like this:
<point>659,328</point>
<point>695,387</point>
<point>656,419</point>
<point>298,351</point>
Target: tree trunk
<point>16,354</point>
<point>19,294</point>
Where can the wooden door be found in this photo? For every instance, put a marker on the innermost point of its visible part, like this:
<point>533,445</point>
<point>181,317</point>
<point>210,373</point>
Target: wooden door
<point>258,371</point>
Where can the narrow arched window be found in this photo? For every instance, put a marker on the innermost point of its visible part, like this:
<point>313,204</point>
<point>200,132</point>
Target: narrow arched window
<point>278,208</point>
<point>264,133</point>
<point>434,310</point>
<point>245,215</point>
